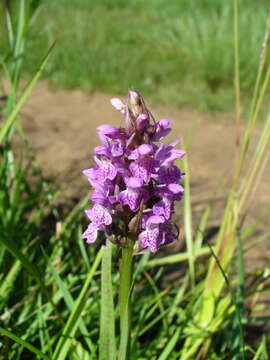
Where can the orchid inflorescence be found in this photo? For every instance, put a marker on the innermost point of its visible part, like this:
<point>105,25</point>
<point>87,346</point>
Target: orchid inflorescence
<point>135,180</point>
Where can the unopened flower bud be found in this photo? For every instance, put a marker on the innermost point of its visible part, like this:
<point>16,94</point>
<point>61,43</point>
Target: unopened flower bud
<point>118,104</point>
<point>135,103</point>
<point>141,122</point>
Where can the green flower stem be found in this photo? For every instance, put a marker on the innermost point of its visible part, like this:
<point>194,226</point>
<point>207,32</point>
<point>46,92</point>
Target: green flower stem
<point>126,274</point>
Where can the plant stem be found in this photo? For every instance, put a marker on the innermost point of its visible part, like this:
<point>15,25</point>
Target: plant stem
<point>126,274</point>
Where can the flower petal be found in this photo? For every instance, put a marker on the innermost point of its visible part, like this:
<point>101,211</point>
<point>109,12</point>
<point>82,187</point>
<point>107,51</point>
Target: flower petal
<point>117,104</point>
<point>149,239</point>
<point>99,215</point>
<point>145,149</point>
<point>176,188</point>
<point>142,169</point>
<point>133,182</point>
<point>130,197</point>
<point>163,208</point>
<point>90,233</point>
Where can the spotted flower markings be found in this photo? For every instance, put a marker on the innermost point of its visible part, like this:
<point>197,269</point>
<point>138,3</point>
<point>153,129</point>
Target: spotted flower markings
<point>135,180</point>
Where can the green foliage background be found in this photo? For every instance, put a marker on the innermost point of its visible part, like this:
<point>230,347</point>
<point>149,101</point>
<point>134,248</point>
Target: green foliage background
<point>178,51</point>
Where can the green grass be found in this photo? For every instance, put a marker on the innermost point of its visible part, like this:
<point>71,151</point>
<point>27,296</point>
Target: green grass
<point>177,51</point>
<point>51,289</point>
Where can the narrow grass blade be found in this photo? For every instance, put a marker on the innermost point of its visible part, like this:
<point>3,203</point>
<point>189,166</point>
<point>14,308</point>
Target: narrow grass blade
<point>12,116</point>
<point>19,42</point>
<point>158,297</point>
<point>107,348</point>
<point>83,248</point>
<point>169,347</point>
<point>172,259</point>
<point>224,249</point>
<point>253,119</point>
<point>74,212</point>
<point>141,264</point>
<point>237,300</point>
<point>251,229</point>
<point>44,336</point>
<point>201,229</point>
<point>178,298</point>
<point>7,285</point>
<point>256,319</point>
<point>65,341</point>
<point>152,305</point>
<point>237,335</point>
<point>225,245</point>
<point>261,66</point>
<point>9,27</point>
<point>152,323</point>
<point>78,352</point>
<point>25,344</point>
<point>258,240</point>
<point>237,79</point>
<point>261,353</point>
<point>31,268</point>
<point>69,302</point>
<point>188,222</point>
<point>255,163</point>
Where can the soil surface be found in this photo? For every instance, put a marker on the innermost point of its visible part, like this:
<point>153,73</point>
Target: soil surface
<point>60,127</point>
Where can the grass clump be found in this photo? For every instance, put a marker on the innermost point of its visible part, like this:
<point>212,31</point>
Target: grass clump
<point>179,52</point>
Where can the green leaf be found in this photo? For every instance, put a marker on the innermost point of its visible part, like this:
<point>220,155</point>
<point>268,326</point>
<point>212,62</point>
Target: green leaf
<point>188,221</point>
<point>69,301</point>
<point>43,330</point>
<point>107,348</point>
<point>7,285</point>
<point>23,343</point>
<point>34,5</point>
<point>31,268</point>
<point>237,335</point>
<point>262,353</point>
<point>78,352</point>
<point>12,116</point>
<point>69,331</point>
<point>172,259</point>
<point>201,229</point>
<point>170,345</point>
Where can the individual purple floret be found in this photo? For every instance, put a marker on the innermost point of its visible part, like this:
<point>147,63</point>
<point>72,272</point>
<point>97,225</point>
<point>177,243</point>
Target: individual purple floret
<point>135,180</point>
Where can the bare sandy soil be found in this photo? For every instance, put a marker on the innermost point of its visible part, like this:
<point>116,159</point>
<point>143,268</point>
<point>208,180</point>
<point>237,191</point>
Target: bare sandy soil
<point>60,127</point>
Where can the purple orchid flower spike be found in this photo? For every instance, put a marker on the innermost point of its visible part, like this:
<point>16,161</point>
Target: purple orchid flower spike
<point>135,179</point>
